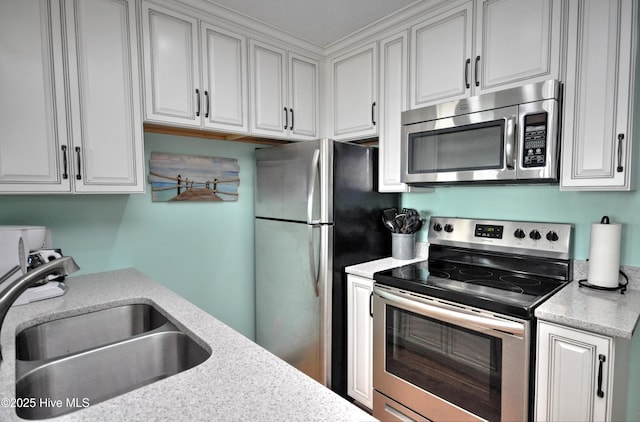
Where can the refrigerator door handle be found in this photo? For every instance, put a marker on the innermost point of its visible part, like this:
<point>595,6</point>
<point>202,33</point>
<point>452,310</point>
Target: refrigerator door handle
<point>311,188</point>
<point>315,276</point>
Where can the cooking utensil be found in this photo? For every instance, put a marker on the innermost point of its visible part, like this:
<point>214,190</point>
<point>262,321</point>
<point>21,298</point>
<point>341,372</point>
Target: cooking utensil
<point>414,226</point>
<point>388,217</point>
<point>400,221</point>
<point>389,224</point>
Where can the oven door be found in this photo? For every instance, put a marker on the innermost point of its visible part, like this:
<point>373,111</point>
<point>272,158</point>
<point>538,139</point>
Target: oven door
<point>468,148</point>
<point>446,362</point>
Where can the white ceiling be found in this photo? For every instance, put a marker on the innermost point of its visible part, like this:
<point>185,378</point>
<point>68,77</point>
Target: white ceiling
<point>320,22</point>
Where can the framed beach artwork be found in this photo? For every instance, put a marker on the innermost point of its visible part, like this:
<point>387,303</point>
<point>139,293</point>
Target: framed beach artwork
<point>178,177</point>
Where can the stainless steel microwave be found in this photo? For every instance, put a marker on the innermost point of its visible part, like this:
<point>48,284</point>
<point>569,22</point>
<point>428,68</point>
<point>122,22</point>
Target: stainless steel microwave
<point>509,136</point>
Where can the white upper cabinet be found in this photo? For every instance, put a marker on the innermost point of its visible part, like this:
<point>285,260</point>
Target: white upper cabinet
<point>303,97</point>
<point>393,101</point>
<point>224,70</point>
<point>105,96</point>
<point>171,67</point>
<point>354,93</point>
<point>510,43</point>
<point>33,127</point>
<point>598,102</point>
<point>178,89</point>
<point>441,57</point>
<point>516,42</point>
<point>267,86</point>
<point>283,93</point>
<point>92,141</point>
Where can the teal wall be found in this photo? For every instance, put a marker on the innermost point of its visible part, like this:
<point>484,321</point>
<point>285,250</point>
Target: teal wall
<point>202,251</point>
<point>538,203</point>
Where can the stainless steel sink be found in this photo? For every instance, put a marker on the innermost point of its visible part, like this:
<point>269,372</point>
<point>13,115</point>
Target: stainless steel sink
<point>69,335</point>
<point>62,379</point>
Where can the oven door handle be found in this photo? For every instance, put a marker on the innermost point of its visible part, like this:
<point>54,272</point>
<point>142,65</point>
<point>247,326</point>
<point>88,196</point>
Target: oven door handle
<point>454,317</point>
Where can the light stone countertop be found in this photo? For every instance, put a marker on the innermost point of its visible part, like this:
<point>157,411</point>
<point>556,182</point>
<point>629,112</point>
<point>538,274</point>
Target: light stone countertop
<point>240,381</point>
<point>602,312</point>
<point>367,269</point>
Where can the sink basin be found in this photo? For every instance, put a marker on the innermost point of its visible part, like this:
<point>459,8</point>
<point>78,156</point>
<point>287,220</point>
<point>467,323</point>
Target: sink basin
<point>138,347</point>
<point>69,335</point>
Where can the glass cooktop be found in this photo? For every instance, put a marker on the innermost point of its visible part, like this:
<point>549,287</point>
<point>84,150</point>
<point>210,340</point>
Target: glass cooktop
<point>490,288</point>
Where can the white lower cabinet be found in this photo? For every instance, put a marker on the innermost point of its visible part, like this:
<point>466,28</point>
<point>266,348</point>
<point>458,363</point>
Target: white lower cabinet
<point>580,376</point>
<point>360,340</point>
<point>70,113</point>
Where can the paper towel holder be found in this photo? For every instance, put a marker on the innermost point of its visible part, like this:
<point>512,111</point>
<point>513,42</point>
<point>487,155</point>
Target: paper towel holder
<point>621,286</point>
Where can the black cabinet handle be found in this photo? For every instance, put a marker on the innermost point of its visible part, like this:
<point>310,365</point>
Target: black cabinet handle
<point>620,168</point>
<point>476,71</point>
<point>371,304</point>
<point>291,127</point>
<point>286,118</point>
<point>206,99</point>
<point>373,113</point>
<point>65,165</point>
<point>198,102</point>
<point>79,172</point>
<point>466,73</point>
<point>602,359</point>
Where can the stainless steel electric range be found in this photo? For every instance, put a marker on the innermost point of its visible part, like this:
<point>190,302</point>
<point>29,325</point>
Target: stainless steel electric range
<point>454,336</point>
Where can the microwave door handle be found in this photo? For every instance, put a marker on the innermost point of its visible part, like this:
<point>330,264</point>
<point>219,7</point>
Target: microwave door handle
<point>510,142</point>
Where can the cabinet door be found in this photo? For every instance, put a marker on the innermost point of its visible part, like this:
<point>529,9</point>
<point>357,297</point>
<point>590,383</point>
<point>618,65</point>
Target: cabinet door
<point>516,42</point>
<point>354,80</point>
<point>360,340</point>
<point>267,87</point>
<point>224,70</point>
<point>33,128</point>
<point>303,97</point>
<point>393,101</point>
<point>104,96</point>
<point>441,67</point>
<point>172,92</point>
<point>599,96</point>
<point>570,364</point>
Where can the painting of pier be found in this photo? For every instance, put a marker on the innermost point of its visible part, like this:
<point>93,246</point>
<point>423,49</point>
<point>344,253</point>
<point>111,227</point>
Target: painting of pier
<point>178,177</point>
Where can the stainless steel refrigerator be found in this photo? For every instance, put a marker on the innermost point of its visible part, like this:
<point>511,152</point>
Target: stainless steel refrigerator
<point>317,211</point>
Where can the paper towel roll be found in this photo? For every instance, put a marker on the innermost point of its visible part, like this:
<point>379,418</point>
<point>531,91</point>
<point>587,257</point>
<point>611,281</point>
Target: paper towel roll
<point>604,254</point>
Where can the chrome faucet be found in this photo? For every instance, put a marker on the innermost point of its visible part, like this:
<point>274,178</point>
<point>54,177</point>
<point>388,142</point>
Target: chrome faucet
<point>61,266</point>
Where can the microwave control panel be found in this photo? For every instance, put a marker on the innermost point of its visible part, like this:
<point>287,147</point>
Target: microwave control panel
<point>534,152</point>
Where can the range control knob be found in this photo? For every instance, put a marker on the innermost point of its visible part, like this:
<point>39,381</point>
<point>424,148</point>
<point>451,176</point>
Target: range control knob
<point>535,234</point>
<point>448,228</point>
<point>519,233</point>
<point>437,227</point>
<point>552,236</point>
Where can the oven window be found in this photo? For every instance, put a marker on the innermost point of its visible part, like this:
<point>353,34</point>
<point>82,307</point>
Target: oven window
<point>472,147</point>
<point>461,366</point>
